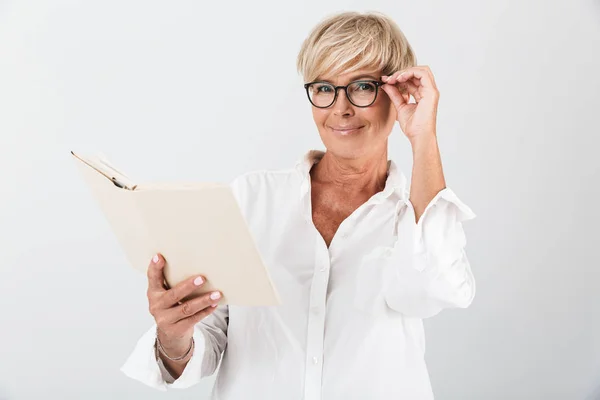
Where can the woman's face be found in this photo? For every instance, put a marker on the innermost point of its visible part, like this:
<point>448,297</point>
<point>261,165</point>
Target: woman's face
<point>354,132</point>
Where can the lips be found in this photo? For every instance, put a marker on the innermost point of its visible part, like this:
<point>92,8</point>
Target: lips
<point>345,129</point>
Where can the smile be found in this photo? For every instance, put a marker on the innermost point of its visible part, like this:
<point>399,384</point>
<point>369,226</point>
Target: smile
<point>346,130</point>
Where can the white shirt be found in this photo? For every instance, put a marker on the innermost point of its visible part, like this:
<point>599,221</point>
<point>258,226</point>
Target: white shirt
<point>350,323</point>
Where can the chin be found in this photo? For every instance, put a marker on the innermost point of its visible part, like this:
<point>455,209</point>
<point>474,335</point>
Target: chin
<point>348,150</point>
<point>354,149</point>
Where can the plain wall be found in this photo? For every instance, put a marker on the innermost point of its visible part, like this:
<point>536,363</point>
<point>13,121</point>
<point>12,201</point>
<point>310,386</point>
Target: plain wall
<point>192,90</point>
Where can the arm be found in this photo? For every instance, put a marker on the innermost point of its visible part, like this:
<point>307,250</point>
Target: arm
<point>430,270</point>
<point>427,174</point>
<point>427,270</point>
<point>178,322</point>
<point>210,337</point>
<point>146,364</point>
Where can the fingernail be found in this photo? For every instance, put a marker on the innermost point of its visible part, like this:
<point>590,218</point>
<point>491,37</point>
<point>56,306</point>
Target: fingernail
<point>198,281</point>
<point>215,295</point>
<point>213,305</point>
<point>155,259</point>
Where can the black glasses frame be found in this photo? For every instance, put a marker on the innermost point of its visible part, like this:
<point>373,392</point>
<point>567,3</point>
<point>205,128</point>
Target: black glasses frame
<point>337,88</point>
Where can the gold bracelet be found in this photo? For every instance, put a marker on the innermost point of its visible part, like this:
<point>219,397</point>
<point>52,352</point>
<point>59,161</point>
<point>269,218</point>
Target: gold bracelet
<point>162,350</point>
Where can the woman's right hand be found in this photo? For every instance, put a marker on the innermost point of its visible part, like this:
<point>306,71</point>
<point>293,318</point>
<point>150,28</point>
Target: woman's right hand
<point>176,319</point>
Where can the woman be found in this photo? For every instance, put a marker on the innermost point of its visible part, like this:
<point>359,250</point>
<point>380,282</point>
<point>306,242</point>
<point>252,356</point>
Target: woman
<point>359,259</point>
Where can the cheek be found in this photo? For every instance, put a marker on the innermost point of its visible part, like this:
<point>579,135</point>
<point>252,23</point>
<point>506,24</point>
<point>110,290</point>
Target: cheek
<point>387,114</point>
<point>392,114</point>
<point>319,116</point>
<point>381,117</point>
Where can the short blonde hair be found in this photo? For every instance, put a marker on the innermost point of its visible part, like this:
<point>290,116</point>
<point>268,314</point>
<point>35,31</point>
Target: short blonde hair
<point>349,41</point>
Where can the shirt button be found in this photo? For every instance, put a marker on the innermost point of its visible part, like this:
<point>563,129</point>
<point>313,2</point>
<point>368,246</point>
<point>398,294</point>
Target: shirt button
<point>323,268</point>
<point>315,360</point>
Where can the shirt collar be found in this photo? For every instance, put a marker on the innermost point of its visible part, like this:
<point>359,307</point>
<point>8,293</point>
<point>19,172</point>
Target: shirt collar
<point>395,184</point>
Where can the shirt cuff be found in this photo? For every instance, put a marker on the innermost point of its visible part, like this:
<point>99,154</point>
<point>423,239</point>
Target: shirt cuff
<point>427,269</point>
<point>144,366</point>
<point>192,374</point>
<point>438,236</point>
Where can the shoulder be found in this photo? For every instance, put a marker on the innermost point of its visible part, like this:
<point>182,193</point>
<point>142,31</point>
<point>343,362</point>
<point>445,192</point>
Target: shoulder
<point>258,184</point>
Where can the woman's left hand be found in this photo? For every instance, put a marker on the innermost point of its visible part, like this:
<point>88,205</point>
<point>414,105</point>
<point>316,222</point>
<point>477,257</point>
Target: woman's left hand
<point>416,119</point>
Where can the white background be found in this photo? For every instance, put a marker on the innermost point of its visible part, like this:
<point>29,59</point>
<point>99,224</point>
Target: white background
<point>195,90</point>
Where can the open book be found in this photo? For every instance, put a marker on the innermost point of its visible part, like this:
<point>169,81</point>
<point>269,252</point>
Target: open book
<point>197,227</point>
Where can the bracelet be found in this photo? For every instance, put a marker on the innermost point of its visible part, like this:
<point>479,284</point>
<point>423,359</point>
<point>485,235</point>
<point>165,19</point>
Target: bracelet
<point>162,350</point>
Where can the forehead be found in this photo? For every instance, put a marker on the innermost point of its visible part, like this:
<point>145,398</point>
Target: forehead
<point>346,77</point>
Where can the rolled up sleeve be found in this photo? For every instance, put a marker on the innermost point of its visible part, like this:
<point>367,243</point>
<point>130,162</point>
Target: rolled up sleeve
<point>427,270</point>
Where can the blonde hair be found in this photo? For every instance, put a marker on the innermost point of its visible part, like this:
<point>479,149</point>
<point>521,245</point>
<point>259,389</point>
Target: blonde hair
<point>349,41</point>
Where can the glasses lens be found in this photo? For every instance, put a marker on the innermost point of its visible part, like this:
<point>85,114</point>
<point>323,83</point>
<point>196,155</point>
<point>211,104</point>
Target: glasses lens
<point>321,94</point>
<point>362,93</point>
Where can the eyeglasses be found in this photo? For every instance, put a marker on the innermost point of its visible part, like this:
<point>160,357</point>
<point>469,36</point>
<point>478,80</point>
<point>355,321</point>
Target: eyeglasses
<point>360,93</point>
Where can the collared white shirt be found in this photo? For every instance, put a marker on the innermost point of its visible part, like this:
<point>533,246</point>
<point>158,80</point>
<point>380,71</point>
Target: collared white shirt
<point>350,322</point>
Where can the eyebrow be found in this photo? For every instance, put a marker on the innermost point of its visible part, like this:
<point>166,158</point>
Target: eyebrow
<point>355,78</point>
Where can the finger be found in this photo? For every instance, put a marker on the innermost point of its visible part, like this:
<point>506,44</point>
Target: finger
<point>418,77</point>
<point>174,295</point>
<point>413,90</point>
<point>420,83</point>
<point>199,316</point>
<point>396,74</point>
<point>394,94</point>
<point>181,327</point>
<point>429,73</point>
<point>406,97</point>
<point>395,77</point>
<point>406,85</point>
<point>155,274</point>
<point>403,87</point>
<point>192,307</point>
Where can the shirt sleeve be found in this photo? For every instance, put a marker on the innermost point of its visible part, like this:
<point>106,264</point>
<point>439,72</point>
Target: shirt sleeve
<point>427,270</point>
<point>210,338</point>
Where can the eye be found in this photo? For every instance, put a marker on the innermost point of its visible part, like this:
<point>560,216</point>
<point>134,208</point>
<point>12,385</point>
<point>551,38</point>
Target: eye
<point>364,87</point>
<point>322,88</point>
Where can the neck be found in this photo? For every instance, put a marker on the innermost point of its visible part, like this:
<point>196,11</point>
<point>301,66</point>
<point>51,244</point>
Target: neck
<point>367,174</point>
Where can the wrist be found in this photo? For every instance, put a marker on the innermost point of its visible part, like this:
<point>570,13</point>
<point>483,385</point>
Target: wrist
<point>174,349</point>
<point>423,142</point>
<point>182,357</point>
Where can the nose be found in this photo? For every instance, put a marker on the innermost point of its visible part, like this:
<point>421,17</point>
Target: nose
<point>342,105</point>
